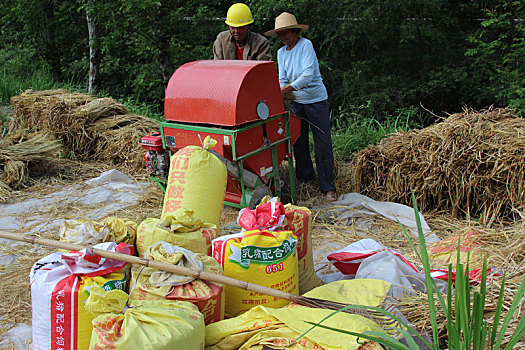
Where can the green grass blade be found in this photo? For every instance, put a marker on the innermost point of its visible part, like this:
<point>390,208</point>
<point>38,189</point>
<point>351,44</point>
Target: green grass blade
<point>476,321</point>
<point>497,315</point>
<point>483,336</point>
<point>461,304</point>
<point>478,311</point>
<point>453,333</point>
<point>410,341</point>
<point>519,332</point>
<point>510,313</point>
<point>430,284</point>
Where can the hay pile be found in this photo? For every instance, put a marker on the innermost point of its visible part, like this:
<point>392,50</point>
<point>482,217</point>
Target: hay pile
<point>471,164</point>
<point>91,129</point>
<point>22,154</point>
<point>51,128</point>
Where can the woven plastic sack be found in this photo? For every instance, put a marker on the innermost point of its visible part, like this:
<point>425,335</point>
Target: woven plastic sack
<point>120,229</point>
<point>278,328</point>
<point>145,324</point>
<point>261,257</point>
<point>83,232</point>
<point>60,284</point>
<point>111,229</point>
<point>196,181</point>
<point>181,229</point>
<point>152,284</point>
<point>298,220</point>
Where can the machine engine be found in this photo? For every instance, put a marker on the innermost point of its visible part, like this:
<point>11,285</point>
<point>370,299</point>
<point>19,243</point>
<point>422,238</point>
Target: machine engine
<point>156,157</point>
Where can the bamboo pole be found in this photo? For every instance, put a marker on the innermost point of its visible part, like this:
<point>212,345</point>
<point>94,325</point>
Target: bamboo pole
<point>377,317</point>
<point>152,263</point>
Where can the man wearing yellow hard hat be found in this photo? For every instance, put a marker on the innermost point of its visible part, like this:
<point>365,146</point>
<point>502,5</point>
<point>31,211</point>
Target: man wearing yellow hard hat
<point>239,43</point>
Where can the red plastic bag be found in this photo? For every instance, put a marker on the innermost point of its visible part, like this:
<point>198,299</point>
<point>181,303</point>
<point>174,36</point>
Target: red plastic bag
<point>266,216</point>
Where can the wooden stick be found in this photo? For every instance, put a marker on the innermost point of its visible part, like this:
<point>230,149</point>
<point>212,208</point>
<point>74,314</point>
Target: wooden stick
<point>298,299</point>
<point>155,264</point>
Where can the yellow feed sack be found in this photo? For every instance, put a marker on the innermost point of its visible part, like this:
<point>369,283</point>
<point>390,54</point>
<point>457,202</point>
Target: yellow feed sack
<point>298,220</point>
<point>146,324</point>
<point>152,284</point>
<point>83,232</point>
<point>196,181</point>
<point>111,229</point>
<point>261,257</point>
<point>181,229</point>
<point>121,230</point>
<point>277,328</point>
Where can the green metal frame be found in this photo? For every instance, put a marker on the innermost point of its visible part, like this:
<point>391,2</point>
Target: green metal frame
<point>238,160</point>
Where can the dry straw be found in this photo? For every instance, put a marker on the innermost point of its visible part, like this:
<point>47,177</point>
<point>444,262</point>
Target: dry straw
<point>504,248</point>
<point>49,129</point>
<point>470,164</point>
<point>18,153</point>
<point>91,129</point>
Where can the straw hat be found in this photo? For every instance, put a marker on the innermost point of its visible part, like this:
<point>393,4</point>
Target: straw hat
<point>285,21</point>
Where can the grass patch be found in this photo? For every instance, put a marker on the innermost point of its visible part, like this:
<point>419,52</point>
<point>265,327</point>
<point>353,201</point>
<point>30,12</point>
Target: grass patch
<point>12,85</point>
<point>351,132</point>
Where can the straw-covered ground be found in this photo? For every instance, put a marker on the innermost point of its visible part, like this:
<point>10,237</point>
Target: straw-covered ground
<point>468,166</point>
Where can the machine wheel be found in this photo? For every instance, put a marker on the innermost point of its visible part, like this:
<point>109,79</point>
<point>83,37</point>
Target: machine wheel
<point>258,194</point>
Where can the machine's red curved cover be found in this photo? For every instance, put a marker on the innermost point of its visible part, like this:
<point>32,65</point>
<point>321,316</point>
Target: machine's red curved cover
<point>222,92</point>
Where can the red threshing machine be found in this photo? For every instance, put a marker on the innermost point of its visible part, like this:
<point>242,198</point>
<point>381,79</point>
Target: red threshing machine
<point>239,104</point>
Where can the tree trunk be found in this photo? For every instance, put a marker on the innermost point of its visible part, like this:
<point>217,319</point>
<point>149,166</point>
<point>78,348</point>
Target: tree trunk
<point>163,41</point>
<point>94,52</point>
<point>51,53</point>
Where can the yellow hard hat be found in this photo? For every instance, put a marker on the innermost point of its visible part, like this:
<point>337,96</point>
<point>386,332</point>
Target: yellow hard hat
<point>239,15</point>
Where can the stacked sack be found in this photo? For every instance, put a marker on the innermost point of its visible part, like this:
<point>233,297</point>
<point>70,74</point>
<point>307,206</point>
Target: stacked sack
<point>196,181</point>
<point>180,228</point>
<point>143,324</point>
<point>60,284</point>
<point>111,229</point>
<point>262,255</point>
<point>183,235</point>
<point>192,203</point>
<point>152,284</point>
<point>299,221</point>
<point>280,328</point>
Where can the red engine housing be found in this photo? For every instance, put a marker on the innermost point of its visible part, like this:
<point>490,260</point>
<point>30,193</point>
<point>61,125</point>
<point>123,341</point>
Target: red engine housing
<point>152,142</point>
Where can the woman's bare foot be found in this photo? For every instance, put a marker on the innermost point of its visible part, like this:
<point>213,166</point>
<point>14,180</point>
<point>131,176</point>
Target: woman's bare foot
<point>330,196</point>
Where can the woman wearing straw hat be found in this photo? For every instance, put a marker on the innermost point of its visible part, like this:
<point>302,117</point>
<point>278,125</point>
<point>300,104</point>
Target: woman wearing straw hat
<point>299,74</point>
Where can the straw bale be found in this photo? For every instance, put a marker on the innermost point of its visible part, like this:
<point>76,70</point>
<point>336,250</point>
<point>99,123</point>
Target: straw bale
<point>91,129</point>
<point>100,108</point>
<point>21,157</point>
<point>15,173</point>
<point>118,139</point>
<point>31,147</point>
<point>39,109</point>
<point>470,164</point>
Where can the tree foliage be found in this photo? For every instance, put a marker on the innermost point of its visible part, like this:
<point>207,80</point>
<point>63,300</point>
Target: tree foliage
<point>376,56</point>
<point>498,51</point>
